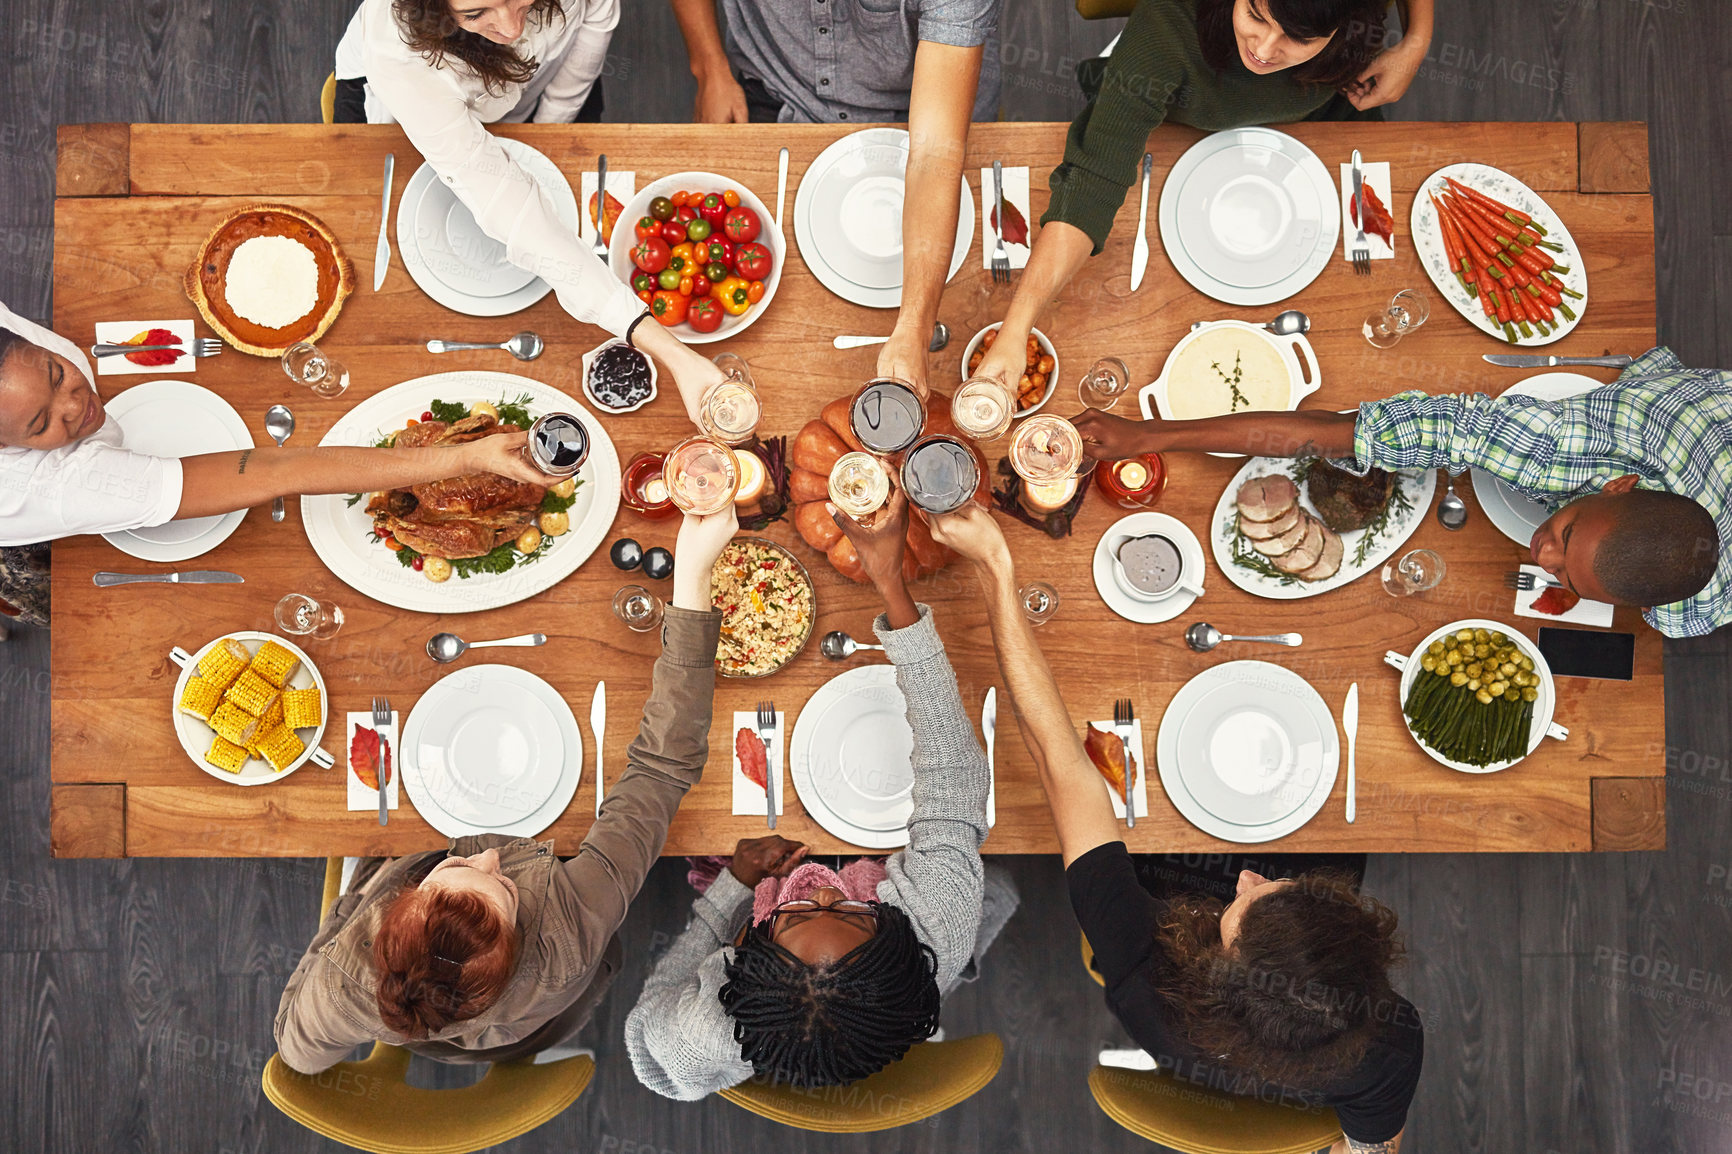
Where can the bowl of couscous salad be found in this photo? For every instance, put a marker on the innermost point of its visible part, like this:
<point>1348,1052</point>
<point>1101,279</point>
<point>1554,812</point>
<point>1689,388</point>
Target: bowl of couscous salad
<point>767,603</point>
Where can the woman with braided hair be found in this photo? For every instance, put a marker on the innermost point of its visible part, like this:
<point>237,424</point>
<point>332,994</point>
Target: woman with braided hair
<point>818,976</point>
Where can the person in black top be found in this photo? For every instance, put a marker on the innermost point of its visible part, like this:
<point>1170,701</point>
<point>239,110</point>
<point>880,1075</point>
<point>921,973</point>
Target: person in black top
<point>1278,988</point>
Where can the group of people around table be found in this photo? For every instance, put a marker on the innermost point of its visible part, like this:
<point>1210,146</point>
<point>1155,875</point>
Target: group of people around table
<point>822,973</point>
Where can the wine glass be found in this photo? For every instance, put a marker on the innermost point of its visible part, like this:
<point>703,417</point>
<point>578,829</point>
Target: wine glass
<point>1048,448</point>
<point>981,408</point>
<point>1405,312</point>
<point>887,415</point>
<point>1104,383</point>
<point>730,410</point>
<point>735,368</point>
<point>302,616</point>
<point>1039,602</point>
<point>1416,572</point>
<point>309,365</point>
<point>702,475</point>
<point>859,485</point>
<point>640,609</point>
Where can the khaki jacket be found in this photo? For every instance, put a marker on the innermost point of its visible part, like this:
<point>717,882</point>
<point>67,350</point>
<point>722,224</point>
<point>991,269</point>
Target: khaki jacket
<point>568,911</point>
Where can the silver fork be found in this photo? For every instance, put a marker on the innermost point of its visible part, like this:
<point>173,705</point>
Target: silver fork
<point>1000,258</point>
<point>767,734</point>
<point>1123,717</point>
<point>1526,581</point>
<point>200,347</point>
<point>600,245</point>
<point>381,720</point>
<point>1361,250</point>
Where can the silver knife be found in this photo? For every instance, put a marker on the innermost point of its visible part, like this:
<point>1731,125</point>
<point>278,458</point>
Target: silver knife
<point>598,726</point>
<point>1140,251</point>
<point>989,729</point>
<point>600,196</point>
<point>1350,726</point>
<point>194,577</point>
<point>382,254</point>
<point>1529,361</point>
<point>781,185</point>
<point>1358,201</point>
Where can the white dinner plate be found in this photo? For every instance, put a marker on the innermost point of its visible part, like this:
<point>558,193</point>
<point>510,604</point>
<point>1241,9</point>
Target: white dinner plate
<point>173,418</point>
<point>1109,583</point>
<point>340,533</point>
<point>457,264</point>
<point>464,726</point>
<point>1249,216</point>
<point>1247,751</point>
<point>851,758</point>
<point>848,217</point>
<point>1515,514</point>
<point>195,735</point>
<point>1501,186</point>
<point>1416,489</point>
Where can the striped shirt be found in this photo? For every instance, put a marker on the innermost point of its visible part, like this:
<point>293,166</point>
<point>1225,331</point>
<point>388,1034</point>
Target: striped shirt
<point>1669,425</point>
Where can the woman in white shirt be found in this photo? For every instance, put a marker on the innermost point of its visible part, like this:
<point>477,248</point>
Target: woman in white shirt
<point>444,70</point>
<point>64,468</point>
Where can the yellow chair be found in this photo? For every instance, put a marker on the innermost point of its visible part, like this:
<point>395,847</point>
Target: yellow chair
<point>328,99</point>
<point>931,1077</point>
<point>369,1106</point>
<point>1199,1119</point>
<point>1104,9</point>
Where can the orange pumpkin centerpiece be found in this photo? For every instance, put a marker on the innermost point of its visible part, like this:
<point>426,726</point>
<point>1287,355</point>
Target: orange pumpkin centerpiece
<point>816,450</point>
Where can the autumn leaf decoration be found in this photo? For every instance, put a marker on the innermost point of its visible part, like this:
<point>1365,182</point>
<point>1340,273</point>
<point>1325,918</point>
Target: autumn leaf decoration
<point>1014,229</point>
<point>154,356</point>
<point>1108,754</point>
<point>365,753</point>
<point>754,761</point>
<point>1378,222</point>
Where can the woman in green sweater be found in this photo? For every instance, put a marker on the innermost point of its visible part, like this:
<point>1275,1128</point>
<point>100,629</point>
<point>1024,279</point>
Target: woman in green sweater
<point>1211,64</point>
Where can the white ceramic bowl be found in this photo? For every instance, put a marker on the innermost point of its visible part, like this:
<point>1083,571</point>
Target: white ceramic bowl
<point>1544,704</point>
<point>625,237</point>
<point>1046,344</point>
<point>597,401</point>
<point>195,735</point>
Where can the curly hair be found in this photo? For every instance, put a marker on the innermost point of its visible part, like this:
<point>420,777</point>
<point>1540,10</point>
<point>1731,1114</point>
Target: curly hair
<point>428,27</point>
<point>443,957</point>
<point>1304,988</point>
<point>833,1024</point>
<point>1356,28</point>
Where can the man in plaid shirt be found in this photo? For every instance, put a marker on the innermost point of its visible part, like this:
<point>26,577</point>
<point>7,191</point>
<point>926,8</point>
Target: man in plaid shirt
<point>1636,472</point>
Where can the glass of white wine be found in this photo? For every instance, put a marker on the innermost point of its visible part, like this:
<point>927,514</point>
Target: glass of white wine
<point>859,485</point>
<point>1047,448</point>
<point>981,408</point>
<point>730,409</point>
<point>702,475</point>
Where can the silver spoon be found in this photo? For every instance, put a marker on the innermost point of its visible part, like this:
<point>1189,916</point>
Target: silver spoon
<point>1452,510</point>
<point>523,346</point>
<point>280,424</point>
<point>940,338</point>
<point>838,646</point>
<point>1203,637</point>
<point>448,647</point>
<point>1288,323</point>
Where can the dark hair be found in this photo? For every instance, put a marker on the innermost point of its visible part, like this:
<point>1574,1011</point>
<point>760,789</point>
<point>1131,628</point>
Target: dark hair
<point>1303,989</point>
<point>1355,25</point>
<point>444,956</point>
<point>1662,547</point>
<point>429,28</point>
<point>832,1024</point>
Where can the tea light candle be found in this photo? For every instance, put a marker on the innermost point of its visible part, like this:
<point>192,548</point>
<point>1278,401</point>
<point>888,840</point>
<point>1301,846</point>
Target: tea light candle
<point>645,492</point>
<point>753,480</point>
<point>1133,475</point>
<point>1133,483</point>
<point>1048,498</point>
<point>654,491</point>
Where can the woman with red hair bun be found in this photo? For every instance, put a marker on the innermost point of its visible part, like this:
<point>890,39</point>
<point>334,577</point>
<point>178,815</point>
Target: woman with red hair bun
<point>495,949</point>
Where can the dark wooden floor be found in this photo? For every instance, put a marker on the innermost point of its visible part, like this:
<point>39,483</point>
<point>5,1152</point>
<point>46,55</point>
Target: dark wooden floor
<point>136,998</point>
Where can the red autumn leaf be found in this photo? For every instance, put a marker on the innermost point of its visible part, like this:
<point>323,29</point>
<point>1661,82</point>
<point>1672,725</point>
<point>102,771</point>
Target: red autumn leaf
<point>1555,600</point>
<point>159,356</point>
<point>1108,754</point>
<point>364,756</point>
<point>1378,222</point>
<point>1015,229</point>
<point>754,761</point>
<point>614,208</point>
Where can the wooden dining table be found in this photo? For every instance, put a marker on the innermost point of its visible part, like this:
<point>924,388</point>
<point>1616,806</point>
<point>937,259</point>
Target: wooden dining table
<point>134,203</point>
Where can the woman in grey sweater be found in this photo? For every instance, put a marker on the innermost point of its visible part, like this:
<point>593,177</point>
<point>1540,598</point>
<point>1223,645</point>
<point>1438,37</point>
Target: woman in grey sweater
<point>832,986</point>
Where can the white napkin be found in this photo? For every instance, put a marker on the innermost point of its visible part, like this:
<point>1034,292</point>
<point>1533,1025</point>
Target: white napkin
<point>119,332</point>
<point>1374,175</point>
<point>361,795</point>
<point>1015,193</point>
<point>623,185</point>
<point>748,795</point>
<point>1135,771</point>
<point>1584,612</point>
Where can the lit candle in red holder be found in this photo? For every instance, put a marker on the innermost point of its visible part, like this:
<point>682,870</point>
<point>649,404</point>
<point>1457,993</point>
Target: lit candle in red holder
<point>1133,483</point>
<point>643,489</point>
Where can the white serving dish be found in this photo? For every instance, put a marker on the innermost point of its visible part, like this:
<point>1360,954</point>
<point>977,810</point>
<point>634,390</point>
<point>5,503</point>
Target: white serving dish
<point>1046,346</point>
<point>195,735</point>
<point>1297,357</point>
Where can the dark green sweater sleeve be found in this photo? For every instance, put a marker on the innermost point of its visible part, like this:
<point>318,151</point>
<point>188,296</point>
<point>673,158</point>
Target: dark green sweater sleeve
<point>1148,70</point>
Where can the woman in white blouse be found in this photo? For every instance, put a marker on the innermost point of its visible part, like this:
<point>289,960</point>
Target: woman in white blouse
<point>444,70</point>
<point>64,467</point>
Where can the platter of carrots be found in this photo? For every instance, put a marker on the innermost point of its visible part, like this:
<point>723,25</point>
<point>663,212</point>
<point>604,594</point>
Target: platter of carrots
<point>1499,254</point>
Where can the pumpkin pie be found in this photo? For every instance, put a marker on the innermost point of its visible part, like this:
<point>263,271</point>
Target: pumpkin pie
<point>268,276</point>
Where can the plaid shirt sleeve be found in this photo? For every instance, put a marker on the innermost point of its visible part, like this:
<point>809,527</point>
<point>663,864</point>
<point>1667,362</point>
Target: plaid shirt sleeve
<point>1523,444</point>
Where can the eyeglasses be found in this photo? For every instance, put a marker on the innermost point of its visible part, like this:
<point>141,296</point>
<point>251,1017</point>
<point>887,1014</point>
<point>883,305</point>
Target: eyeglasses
<point>862,914</point>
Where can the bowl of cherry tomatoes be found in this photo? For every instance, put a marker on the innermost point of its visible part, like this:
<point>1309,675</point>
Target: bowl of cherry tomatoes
<point>701,251</point>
